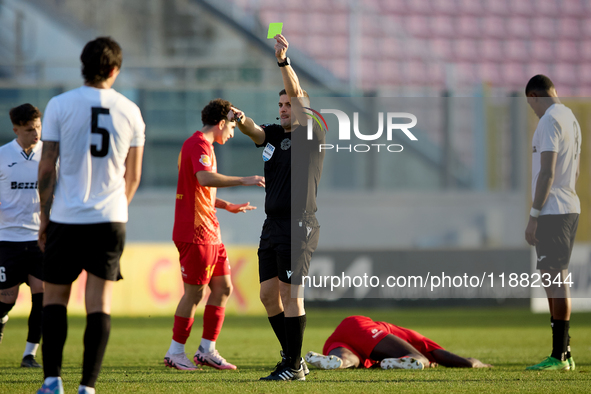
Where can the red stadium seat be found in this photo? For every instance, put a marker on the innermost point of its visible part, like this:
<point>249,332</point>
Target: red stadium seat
<point>395,7</point>
<point>585,51</point>
<point>567,51</point>
<point>565,74</point>
<point>547,7</point>
<point>465,73</point>
<point>470,7</point>
<point>515,50</point>
<point>573,7</point>
<point>466,50</point>
<point>513,74</point>
<point>372,25</point>
<point>584,75</point>
<point>444,7</point>
<point>442,48</point>
<point>544,27</point>
<point>442,26</point>
<point>541,50</point>
<point>436,73</point>
<point>538,68</point>
<point>417,26</point>
<point>420,7</point>
<point>489,73</point>
<point>388,73</point>
<point>521,8</point>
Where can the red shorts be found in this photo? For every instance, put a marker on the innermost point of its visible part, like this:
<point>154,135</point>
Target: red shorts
<point>360,335</point>
<point>200,262</point>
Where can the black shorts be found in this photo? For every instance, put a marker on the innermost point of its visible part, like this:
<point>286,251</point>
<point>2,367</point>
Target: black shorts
<point>18,260</point>
<point>286,249</point>
<point>71,248</point>
<point>556,237</point>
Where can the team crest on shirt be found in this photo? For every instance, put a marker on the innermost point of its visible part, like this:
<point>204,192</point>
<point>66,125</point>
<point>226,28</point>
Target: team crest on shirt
<point>205,160</point>
<point>535,150</point>
<point>286,144</point>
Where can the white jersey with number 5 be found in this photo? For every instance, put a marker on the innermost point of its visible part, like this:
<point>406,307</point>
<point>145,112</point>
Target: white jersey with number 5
<point>558,131</point>
<point>95,129</point>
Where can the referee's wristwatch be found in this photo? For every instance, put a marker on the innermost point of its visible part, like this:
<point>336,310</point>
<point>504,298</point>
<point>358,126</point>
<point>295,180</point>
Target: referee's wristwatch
<point>286,62</point>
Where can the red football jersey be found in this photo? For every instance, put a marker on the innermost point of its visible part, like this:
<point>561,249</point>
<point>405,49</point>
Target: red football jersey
<point>361,334</point>
<point>194,215</point>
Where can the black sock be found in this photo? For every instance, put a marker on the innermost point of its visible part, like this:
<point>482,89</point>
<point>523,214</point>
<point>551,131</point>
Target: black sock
<point>35,318</point>
<point>4,309</point>
<point>568,355</point>
<point>278,324</point>
<point>96,336</point>
<point>55,331</point>
<point>559,338</point>
<point>294,331</point>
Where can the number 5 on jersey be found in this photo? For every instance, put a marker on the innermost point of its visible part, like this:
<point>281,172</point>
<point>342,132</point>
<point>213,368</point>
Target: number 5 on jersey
<point>104,145</point>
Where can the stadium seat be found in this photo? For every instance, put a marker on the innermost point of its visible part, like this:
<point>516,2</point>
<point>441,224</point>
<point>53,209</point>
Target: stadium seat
<point>489,73</point>
<point>564,74</point>
<point>572,7</point>
<point>417,26</point>
<point>585,51</point>
<point>373,25</point>
<point>584,74</point>
<point>442,48</point>
<point>388,73</point>
<point>515,50</point>
<point>420,7</point>
<point>538,68</point>
<point>494,27</point>
<point>465,50</point>
<point>468,26</point>
<point>521,7</point>
<point>567,51</point>
<point>518,27</point>
<point>442,26</point>
<point>543,27</point>
<point>513,74</point>
<point>340,23</point>
<point>569,28</point>
<point>470,7</point>
<point>394,7</point>
<point>547,7</point>
<point>541,50</point>
<point>491,50</point>
<point>496,7</point>
<point>444,7</point>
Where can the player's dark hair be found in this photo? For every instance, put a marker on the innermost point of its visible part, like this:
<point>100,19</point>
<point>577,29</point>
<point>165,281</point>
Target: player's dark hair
<point>98,58</point>
<point>215,111</point>
<point>539,83</point>
<point>23,114</point>
<point>282,92</point>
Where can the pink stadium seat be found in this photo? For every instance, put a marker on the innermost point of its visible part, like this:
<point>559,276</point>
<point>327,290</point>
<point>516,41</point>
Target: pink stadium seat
<point>416,49</point>
<point>396,7</point>
<point>569,28</point>
<point>339,67</point>
<point>299,40</point>
<point>370,6</point>
<point>470,7</point>
<point>564,74</point>
<point>339,6</point>
<point>584,75</point>
<point>465,73</point>
<point>372,25</point>
<point>295,23</point>
<point>444,7</point>
<point>518,27</point>
<point>436,73</point>
<point>465,50</point>
<point>369,48</point>
<point>421,7</point>
<point>496,7</point>
<point>544,27</point>
<point>268,16</point>
<point>513,74</point>
<point>521,7</point>
<point>468,26</point>
<point>541,50</point>
<point>515,50</point>
<point>415,73</point>
<point>340,46</point>
<point>489,72</point>
<point>567,51</point>
<point>494,27</point>
<point>585,29</point>
<point>442,48</point>
<point>318,23</point>
<point>368,73</point>
<point>417,26</point>
<point>491,50</point>
<point>321,6</point>
<point>538,68</point>
<point>388,73</point>
<point>442,26</point>
<point>585,51</point>
<point>547,7</point>
<point>573,7</point>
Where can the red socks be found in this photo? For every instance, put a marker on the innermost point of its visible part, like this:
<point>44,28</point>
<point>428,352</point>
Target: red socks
<point>182,329</point>
<point>213,319</point>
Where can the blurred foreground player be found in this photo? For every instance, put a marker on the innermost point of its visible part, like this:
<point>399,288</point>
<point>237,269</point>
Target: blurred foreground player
<point>196,234</point>
<point>554,215</point>
<point>291,231</point>
<point>360,342</point>
<point>21,261</point>
<point>98,135</point>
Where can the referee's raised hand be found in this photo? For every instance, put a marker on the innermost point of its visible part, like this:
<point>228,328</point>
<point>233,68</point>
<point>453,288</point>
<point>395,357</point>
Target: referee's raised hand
<point>281,47</point>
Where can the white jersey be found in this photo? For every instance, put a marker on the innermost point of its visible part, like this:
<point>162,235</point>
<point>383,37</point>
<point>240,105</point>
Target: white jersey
<point>19,199</point>
<point>558,131</point>
<point>95,129</point>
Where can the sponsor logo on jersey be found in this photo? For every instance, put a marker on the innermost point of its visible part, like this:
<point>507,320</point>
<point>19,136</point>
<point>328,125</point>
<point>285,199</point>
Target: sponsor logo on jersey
<point>541,258</point>
<point>289,273</point>
<point>179,196</point>
<point>286,144</point>
<point>10,165</point>
<point>23,185</point>
<point>535,150</point>
<point>376,332</point>
<point>268,152</point>
<point>205,160</point>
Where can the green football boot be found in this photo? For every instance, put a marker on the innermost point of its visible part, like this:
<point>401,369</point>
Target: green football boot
<point>550,364</point>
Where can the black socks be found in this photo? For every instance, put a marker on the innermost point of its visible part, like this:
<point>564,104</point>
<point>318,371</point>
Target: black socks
<point>294,330</point>
<point>278,324</point>
<point>35,318</point>
<point>55,331</point>
<point>560,339</point>
<point>96,336</point>
<point>4,309</point>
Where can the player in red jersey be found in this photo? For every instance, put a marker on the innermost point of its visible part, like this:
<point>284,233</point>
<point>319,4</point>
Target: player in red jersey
<point>196,234</point>
<point>358,341</point>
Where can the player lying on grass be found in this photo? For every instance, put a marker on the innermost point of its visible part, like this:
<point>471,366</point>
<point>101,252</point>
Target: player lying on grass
<point>360,342</point>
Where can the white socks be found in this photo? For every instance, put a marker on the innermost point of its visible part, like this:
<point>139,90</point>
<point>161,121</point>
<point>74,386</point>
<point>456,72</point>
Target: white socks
<point>176,347</point>
<point>85,390</point>
<point>31,349</point>
<point>207,345</point>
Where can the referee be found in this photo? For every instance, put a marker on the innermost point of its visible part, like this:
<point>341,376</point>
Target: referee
<point>555,210</point>
<point>98,135</point>
<point>290,232</point>
<point>20,257</point>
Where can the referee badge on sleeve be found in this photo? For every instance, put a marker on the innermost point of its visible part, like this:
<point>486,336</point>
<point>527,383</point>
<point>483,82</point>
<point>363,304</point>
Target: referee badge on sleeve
<point>268,152</point>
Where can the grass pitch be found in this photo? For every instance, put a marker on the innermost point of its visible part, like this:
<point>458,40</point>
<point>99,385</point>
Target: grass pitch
<point>510,339</point>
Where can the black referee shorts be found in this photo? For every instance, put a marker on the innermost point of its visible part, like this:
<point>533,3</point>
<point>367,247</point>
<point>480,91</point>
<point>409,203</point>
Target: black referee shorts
<point>286,248</point>
<point>71,248</point>
<point>556,237</point>
<point>18,260</point>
